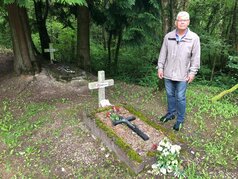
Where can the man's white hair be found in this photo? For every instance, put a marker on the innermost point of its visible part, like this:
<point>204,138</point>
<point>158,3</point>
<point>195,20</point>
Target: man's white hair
<point>183,14</point>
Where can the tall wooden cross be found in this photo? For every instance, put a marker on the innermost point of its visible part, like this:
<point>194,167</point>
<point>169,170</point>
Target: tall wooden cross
<point>51,50</point>
<point>100,85</point>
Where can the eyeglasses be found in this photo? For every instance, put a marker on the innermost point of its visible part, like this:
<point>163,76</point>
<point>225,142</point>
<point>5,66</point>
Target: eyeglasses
<point>182,20</point>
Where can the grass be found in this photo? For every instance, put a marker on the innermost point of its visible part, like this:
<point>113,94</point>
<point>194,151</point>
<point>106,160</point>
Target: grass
<point>31,135</point>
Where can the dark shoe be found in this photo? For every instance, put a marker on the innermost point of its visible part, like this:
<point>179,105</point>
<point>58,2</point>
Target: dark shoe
<point>166,118</point>
<point>177,126</point>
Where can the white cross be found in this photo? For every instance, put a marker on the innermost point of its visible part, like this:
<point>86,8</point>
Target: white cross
<point>100,85</point>
<point>51,50</point>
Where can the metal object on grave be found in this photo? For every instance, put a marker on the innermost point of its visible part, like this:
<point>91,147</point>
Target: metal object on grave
<point>133,127</point>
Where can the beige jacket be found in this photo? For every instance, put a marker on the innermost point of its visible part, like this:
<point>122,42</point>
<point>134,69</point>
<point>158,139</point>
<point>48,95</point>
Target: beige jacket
<point>178,59</point>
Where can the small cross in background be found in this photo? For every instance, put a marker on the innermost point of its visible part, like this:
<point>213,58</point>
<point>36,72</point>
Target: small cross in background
<point>51,50</point>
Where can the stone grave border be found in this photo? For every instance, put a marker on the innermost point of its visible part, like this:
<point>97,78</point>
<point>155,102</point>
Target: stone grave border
<point>123,151</point>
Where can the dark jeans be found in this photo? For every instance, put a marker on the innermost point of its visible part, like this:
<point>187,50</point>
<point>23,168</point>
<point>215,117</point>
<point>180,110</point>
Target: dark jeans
<point>176,91</point>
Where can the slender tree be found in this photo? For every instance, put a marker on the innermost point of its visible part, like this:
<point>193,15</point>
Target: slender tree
<point>41,13</point>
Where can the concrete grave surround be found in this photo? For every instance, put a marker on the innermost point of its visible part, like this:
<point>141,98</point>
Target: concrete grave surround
<point>130,138</point>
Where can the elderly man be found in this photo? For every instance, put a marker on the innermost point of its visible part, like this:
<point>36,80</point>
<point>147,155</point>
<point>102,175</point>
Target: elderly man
<point>178,63</point>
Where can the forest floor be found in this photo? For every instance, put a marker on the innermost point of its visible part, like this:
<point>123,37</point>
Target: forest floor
<point>43,134</point>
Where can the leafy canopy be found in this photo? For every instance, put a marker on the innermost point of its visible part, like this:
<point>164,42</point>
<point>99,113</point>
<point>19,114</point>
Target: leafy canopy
<point>25,3</point>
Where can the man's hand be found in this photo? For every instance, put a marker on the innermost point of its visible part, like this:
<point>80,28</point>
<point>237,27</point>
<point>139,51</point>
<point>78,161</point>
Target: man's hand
<point>190,78</point>
<point>160,74</point>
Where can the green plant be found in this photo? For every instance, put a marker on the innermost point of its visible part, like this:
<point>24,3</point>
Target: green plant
<point>113,114</point>
<point>150,77</point>
<point>5,118</point>
<point>233,63</point>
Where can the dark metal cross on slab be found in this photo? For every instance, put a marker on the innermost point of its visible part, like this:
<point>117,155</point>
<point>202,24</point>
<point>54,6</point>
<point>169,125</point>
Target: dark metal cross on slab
<point>131,126</point>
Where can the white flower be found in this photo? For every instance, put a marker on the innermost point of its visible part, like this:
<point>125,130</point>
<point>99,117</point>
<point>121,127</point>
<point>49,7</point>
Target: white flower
<point>167,159</point>
<point>175,149</point>
<point>174,162</point>
<point>163,170</point>
<point>169,169</point>
<point>154,166</point>
<point>159,148</point>
<point>165,153</point>
<point>168,145</point>
<point>165,142</point>
<point>162,143</point>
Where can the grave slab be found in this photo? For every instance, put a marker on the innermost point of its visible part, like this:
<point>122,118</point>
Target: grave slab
<point>130,148</point>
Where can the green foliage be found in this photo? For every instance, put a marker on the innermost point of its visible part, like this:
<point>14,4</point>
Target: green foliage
<point>233,67</point>
<point>233,62</point>
<point>5,118</point>
<point>150,77</point>
<point>221,115</point>
<point>64,40</point>
<point>222,108</point>
<point>144,27</point>
<point>126,3</point>
<point>72,2</point>
<point>5,34</point>
<point>12,128</point>
<point>212,48</point>
<point>224,81</point>
<point>21,3</point>
<point>98,56</point>
<point>25,3</point>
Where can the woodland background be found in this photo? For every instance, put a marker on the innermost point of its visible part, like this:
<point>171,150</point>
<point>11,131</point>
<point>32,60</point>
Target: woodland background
<point>121,37</point>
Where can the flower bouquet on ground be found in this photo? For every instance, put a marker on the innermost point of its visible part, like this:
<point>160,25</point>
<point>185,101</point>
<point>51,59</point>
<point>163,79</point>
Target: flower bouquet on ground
<point>114,114</point>
<point>168,160</point>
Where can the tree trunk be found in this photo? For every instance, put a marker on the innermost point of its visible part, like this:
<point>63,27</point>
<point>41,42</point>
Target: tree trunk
<point>109,42</point>
<point>25,61</point>
<point>211,18</point>
<point>83,46</point>
<point>213,68</point>
<point>118,45</point>
<point>169,10</point>
<point>234,33</point>
<point>41,24</point>
<point>166,16</point>
<point>179,5</point>
<point>104,36</point>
